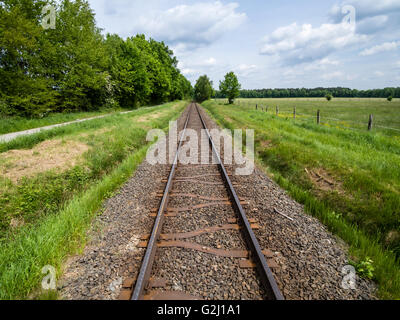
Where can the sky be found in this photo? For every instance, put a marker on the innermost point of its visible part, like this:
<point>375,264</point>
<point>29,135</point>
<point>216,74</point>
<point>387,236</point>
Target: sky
<point>270,44</point>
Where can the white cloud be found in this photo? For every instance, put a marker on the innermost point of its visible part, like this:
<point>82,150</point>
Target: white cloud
<point>366,8</point>
<point>387,46</point>
<point>209,24</point>
<point>210,62</point>
<point>321,64</point>
<point>188,71</point>
<point>339,75</point>
<point>298,44</point>
<point>308,69</point>
<point>351,77</point>
<point>201,63</point>
<point>379,73</point>
<point>371,16</point>
<point>191,26</point>
<point>197,67</point>
<point>333,75</point>
<point>372,24</point>
<point>245,70</point>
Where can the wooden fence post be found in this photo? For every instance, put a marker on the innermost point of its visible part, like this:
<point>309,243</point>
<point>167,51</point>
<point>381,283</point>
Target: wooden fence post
<point>256,106</point>
<point>294,113</point>
<point>277,110</point>
<point>370,123</point>
<point>318,117</point>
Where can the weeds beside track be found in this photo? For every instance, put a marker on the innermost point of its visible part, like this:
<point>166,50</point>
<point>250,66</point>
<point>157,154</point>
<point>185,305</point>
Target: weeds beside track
<point>58,223</point>
<point>362,205</point>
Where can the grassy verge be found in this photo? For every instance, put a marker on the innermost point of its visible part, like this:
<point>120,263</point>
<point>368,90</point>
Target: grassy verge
<point>340,112</point>
<point>357,193</point>
<point>58,207</point>
<point>15,124</point>
<point>26,142</point>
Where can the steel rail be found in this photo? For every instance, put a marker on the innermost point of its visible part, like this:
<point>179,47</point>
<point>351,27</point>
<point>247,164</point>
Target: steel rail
<point>264,271</point>
<point>148,260</point>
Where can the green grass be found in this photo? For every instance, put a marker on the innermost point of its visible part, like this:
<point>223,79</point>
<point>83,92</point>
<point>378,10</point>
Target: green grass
<point>58,208</point>
<point>364,207</point>
<point>15,124</point>
<point>27,142</point>
<point>340,112</point>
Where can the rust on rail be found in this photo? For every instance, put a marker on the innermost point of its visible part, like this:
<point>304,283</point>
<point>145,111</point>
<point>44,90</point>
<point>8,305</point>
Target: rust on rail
<point>141,287</point>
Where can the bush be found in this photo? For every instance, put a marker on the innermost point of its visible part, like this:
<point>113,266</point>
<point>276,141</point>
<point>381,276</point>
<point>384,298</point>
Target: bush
<point>3,108</point>
<point>390,98</point>
<point>329,97</point>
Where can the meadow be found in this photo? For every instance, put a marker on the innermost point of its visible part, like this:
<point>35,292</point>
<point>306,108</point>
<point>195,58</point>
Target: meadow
<point>351,113</point>
<point>347,177</point>
<point>53,183</point>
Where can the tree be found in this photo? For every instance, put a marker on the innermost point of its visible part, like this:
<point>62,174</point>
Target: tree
<point>230,87</point>
<point>129,75</point>
<point>144,71</point>
<point>329,97</point>
<point>82,71</point>
<point>74,67</point>
<point>203,89</point>
<point>25,86</point>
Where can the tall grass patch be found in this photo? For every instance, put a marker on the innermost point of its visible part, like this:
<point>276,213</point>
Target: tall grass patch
<point>55,208</point>
<point>348,179</point>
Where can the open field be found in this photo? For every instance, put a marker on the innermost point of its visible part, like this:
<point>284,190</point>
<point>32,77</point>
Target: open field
<point>349,179</point>
<point>340,112</point>
<point>53,183</point>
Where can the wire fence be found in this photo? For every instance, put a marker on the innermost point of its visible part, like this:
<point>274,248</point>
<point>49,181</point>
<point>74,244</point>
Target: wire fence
<point>350,121</point>
<point>320,118</point>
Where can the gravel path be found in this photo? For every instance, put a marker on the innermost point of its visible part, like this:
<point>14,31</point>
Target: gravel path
<point>11,136</point>
<point>310,258</point>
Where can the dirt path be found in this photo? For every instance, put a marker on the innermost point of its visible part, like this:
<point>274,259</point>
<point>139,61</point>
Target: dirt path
<point>11,136</point>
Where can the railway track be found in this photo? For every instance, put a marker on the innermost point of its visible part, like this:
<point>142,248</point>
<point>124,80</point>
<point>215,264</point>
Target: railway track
<point>202,245</point>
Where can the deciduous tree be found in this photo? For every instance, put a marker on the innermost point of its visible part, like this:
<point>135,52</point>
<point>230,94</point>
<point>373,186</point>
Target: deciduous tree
<point>203,90</point>
<point>230,87</point>
<point>74,67</point>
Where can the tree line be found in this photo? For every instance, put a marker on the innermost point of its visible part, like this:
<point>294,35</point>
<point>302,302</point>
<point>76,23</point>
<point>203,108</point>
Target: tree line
<point>316,93</point>
<point>229,88</point>
<point>73,67</point>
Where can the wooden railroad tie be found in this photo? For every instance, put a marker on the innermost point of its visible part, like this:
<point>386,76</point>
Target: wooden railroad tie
<point>127,286</point>
<point>173,212</point>
<point>188,235</point>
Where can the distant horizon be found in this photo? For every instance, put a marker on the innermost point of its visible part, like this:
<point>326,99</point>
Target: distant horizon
<point>319,88</point>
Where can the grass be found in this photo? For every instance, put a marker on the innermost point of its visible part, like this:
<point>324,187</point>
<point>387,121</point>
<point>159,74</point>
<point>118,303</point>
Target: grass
<point>58,207</point>
<point>340,112</point>
<point>362,206</point>
<point>27,142</point>
<point>15,124</point>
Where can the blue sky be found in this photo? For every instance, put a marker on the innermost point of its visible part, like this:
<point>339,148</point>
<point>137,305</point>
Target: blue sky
<point>270,44</point>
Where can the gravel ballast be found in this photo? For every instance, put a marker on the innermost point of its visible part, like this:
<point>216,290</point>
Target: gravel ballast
<point>310,259</point>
